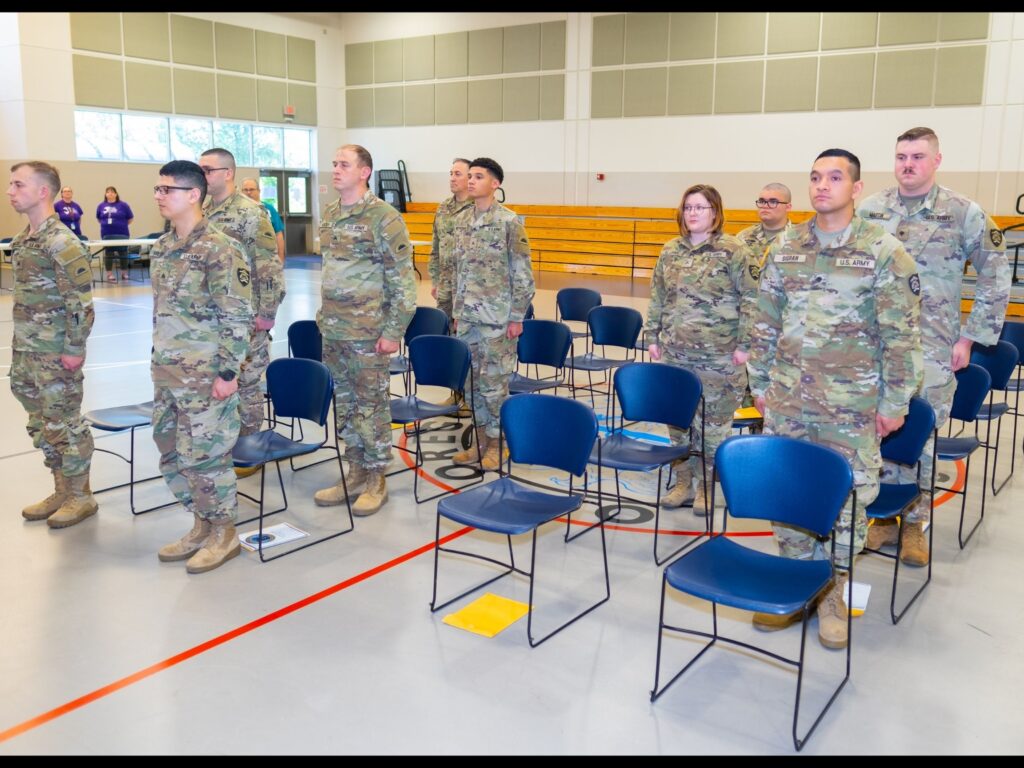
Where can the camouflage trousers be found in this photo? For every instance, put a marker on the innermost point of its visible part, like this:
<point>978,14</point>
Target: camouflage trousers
<point>444,303</point>
<point>52,396</point>
<point>723,384</point>
<point>858,442</point>
<point>493,359</point>
<point>938,388</point>
<point>195,434</point>
<point>361,411</point>
<point>250,394</point>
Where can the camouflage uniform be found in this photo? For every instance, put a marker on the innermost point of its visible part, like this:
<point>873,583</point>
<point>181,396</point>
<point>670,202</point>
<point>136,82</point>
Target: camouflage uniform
<point>836,340</point>
<point>441,266</point>
<point>368,292</point>
<point>702,300</point>
<point>493,287</point>
<point>248,222</point>
<point>758,239</point>
<point>202,316</point>
<point>942,233</point>
<point>52,316</point>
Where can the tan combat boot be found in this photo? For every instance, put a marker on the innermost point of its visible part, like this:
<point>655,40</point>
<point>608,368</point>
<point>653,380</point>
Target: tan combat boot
<point>771,622</point>
<point>914,550</point>
<point>700,508</point>
<point>373,498</point>
<point>682,492</point>
<point>78,505</point>
<point>188,544</point>
<point>219,547</point>
<point>43,509</point>
<point>335,494</point>
<point>491,460</point>
<point>832,615</point>
<point>469,456</point>
<point>882,533</point>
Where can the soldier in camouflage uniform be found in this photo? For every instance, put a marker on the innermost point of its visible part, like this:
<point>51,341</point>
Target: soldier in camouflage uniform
<point>52,315</point>
<point>493,288</point>
<point>248,222</point>
<point>835,356</point>
<point>442,267</point>
<point>368,298</point>
<point>202,317</point>
<point>773,207</point>
<point>703,293</point>
<point>942,230</point>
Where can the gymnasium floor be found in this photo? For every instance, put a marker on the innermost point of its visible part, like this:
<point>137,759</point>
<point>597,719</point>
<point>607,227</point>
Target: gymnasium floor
<point>333,650</point>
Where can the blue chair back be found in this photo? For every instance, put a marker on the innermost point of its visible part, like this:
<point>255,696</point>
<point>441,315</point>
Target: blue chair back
<point>304,340</point>
<point>426,320</point>
<point>300,388</point>
<point>1013,333</point>
<point>544,342</point>
<point>972,385</point>
<point>771,477</point>
<point>529,312</point>
<point>549,431</point>
<point>999,360</point>
<point>576,303</point>
<point>615,326</point>
<point>657,392</point>
<point>439,361</point>
<point>906,444</point>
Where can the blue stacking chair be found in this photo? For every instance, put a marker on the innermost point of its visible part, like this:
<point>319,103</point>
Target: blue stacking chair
<point>609,327</point>
<point>651,392</point>
<point>1013,332</point>
<point>305,340</point>
<point>972,385</point>
<point>426,320</point>
<point>436,361</point>
<point>999,360</point>
<point>542,430</point>
<point>542,342</point>
<point>529,312</point>
<point>905,446</point>
<point>573,305</point>
<point>299,389</point>
<point>766,477</point>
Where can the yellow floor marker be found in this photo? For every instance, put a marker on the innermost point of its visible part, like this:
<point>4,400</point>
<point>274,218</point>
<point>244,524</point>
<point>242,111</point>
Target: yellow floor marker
<point>747,413</point>
<point>487,615</point>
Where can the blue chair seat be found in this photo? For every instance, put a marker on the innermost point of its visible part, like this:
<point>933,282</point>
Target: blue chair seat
<point>992,411</point>
<point>267,446</point>
<point>122,417</point>
<point>730,574</point>
<point>592,362</point>
<point>504,506</point>
<point>398,364</point>
<point>520,384</point>
<point>620,451</point>
<point>953,448</point>
<point>405,410</point>
<point>892,499</point>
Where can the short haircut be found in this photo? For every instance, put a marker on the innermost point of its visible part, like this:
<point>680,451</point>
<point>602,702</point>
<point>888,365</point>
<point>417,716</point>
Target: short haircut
<point>490,166</point>
<point>365,158</point>
<point>460,160</point>
<point>187,174</point>
<point>852,158</point>
<point>711,195</point>
<point>920,133</point>
<point>225,156</point>
<point>781,188</point>
<point>249,178</point>
<point>47,174</point>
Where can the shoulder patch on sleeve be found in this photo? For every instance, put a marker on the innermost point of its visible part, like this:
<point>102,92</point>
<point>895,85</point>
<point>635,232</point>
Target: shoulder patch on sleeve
<point>755,271</point>
<point>995,236</point>
<point>242,276</point>
<point>914,281</point>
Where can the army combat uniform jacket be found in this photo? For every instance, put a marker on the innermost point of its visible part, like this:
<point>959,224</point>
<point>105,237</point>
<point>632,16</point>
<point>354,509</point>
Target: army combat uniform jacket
<point>441,266</point>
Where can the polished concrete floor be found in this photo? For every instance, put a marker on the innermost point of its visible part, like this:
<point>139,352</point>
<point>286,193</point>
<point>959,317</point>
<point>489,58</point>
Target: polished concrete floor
<point>334,649</point>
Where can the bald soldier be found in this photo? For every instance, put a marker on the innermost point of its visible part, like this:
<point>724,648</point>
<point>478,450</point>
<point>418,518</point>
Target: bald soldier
<point>943,231</point>
<point>835,357</point>
<point>53,315</point>
<point>773,207</point>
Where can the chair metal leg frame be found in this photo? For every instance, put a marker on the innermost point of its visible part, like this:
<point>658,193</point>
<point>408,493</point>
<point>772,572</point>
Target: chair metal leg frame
<point>798,742</point>
<point>657,515</point>
<point>995,457</point>
<point>130,461</point>
<point>336,447</point>
<point>419,462</point>
<point>510,567</point>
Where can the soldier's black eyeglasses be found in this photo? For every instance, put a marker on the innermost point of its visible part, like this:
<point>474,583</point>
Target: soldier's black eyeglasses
<point>769,203</point>
<point>208,171</point>
<point>163,189</point>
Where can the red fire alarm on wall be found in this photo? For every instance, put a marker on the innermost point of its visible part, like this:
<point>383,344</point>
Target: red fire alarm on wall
<point>289,112</point>
<point>600,177</point>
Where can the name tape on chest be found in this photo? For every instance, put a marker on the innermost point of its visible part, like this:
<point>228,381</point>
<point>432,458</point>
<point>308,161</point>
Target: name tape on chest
<point>790,258</point>
<point>942,217</point>
<point>856,262</point>
<point>356,228</point>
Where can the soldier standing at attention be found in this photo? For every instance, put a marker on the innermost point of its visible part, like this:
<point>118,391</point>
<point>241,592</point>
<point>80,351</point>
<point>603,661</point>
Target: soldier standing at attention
<point>942,230</point>
<point>251,189</point>
<point>835,357</point>
<point>703,294</point>
<point>52,316</point>
<point>441,267</point>
<point>773,207</point>
<point>202,316</point>
<point>248,222</point>
<point>493,289</point>
<point>368,298</point>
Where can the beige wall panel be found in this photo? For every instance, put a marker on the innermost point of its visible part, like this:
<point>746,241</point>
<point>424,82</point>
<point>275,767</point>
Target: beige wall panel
<point>520,99</point>
<point>194,93</point>
<point>303,98</point>
<point>387,106</point>
<point>904,78</point>
<point>963,26</point>
<point>848,30</point>
<point>96,32</point>
<point>791,85</point>
<point>907,27</point>
<point>301,59</point>
<point>451,55</point>
<point>272,55</point>
<point>191,41</point>
<point>644,92</point>
<point>846,82</point>
<point>606,93</point>
<point>387,61</point>
<point>359,108</point>
<point>271,97</point>
<point>960,78</point>
<point>692,36</point>
<point>485,52</point>
<point>359,64</point>
<point>148,87</point>
<point>98,82</point>
<point>609,40</point>
<point>552,45</point>
<point>793,32</point>
<point>419,104</point>
<point>452,103</point>
<point>235,47</point>
<point>691,89</point>
<point>418,58</point>
<point>521,48</point>
<point>236,97</point>
<point>147,35</point>
<point>485,101</point>
<point>738,86</point>
<point>741,34</point>
<point>646,37</point>
<point>552,97</point>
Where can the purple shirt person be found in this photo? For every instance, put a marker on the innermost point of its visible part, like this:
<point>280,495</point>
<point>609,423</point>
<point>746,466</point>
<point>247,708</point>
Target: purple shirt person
<point>114,217</point>
<point>69,211</point>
